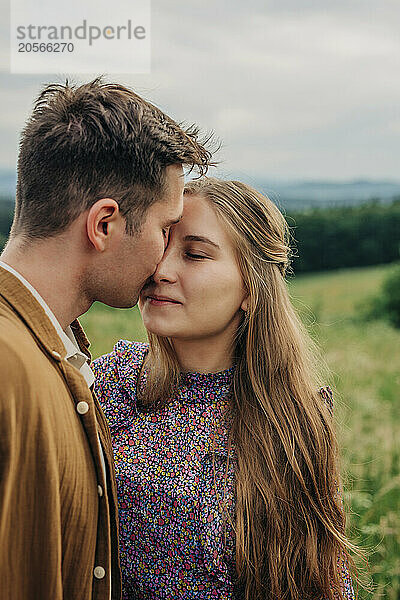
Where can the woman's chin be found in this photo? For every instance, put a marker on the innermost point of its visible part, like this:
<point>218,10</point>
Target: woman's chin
<point>162,333</point>
<point>163,330</point>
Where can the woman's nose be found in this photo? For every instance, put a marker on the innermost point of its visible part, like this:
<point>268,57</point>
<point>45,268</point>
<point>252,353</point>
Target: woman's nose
<point>166,269</point>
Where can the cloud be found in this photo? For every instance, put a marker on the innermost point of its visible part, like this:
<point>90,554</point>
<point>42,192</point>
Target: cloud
<point>293,89</point>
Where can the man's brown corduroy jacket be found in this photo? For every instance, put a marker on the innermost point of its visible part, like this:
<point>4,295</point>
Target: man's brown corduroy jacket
<point>58,527</point>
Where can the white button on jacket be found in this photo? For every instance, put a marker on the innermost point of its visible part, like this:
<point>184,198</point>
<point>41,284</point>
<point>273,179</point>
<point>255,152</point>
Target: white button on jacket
<point>99,572</point>
<point>82,408</point>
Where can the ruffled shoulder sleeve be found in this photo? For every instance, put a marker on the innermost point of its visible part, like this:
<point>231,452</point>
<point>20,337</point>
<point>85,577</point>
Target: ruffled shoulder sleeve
<point>115,385</point>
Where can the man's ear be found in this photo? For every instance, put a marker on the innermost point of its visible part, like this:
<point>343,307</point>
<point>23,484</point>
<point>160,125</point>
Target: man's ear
<point>100,220</point>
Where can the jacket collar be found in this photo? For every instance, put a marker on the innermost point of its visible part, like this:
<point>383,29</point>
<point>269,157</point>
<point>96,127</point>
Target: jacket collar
<point>81,338</point>
<point>34,316</point>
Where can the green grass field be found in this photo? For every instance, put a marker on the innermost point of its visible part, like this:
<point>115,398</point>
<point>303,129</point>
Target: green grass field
<point>365,362</point>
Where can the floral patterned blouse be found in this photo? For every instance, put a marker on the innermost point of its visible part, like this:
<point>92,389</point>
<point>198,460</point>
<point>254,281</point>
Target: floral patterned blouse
<point>173,479</point>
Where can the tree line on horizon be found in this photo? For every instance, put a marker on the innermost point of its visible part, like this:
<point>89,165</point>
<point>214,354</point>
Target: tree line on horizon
<point>337,237</point>
<point>322,238</point>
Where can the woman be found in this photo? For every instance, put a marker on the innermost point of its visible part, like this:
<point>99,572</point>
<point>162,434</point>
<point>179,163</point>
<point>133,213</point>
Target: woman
<point>225,452</point>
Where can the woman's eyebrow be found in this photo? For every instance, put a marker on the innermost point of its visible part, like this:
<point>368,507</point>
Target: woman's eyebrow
<point>200,238</point>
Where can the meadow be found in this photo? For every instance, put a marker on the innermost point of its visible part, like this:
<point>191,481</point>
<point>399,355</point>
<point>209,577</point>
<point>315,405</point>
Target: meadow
<point>364,359</point>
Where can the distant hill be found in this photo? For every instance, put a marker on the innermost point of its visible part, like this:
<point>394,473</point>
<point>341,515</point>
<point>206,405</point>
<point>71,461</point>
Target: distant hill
<point>297,195</point>
<point>289,194</point>
<point>8,182</point>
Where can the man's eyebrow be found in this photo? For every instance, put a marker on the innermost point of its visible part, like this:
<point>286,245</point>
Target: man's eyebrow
<point>173,222</point>
<point>200,238</point>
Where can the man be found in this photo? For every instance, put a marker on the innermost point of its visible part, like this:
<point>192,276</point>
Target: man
<point>100,183</point>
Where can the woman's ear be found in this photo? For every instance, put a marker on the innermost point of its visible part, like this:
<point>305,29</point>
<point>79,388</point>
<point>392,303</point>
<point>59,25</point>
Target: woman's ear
<point>245,304</point>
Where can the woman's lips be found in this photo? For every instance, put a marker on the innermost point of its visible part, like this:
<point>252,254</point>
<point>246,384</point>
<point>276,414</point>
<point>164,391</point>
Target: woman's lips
<point>162,302</point>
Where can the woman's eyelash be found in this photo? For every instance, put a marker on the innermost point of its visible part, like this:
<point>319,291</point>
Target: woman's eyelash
<point>196,256</point>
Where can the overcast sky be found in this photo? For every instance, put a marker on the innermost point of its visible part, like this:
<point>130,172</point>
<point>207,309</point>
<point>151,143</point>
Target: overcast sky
<point>293,88</point>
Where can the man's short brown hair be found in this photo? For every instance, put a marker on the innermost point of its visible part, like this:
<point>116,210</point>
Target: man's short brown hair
<point>94,141</point>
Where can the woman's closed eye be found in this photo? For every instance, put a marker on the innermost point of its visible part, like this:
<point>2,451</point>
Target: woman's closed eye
<point>195,256</point>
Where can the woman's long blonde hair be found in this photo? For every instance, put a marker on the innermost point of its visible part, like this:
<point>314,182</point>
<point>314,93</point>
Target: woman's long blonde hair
<point>289,521</point>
